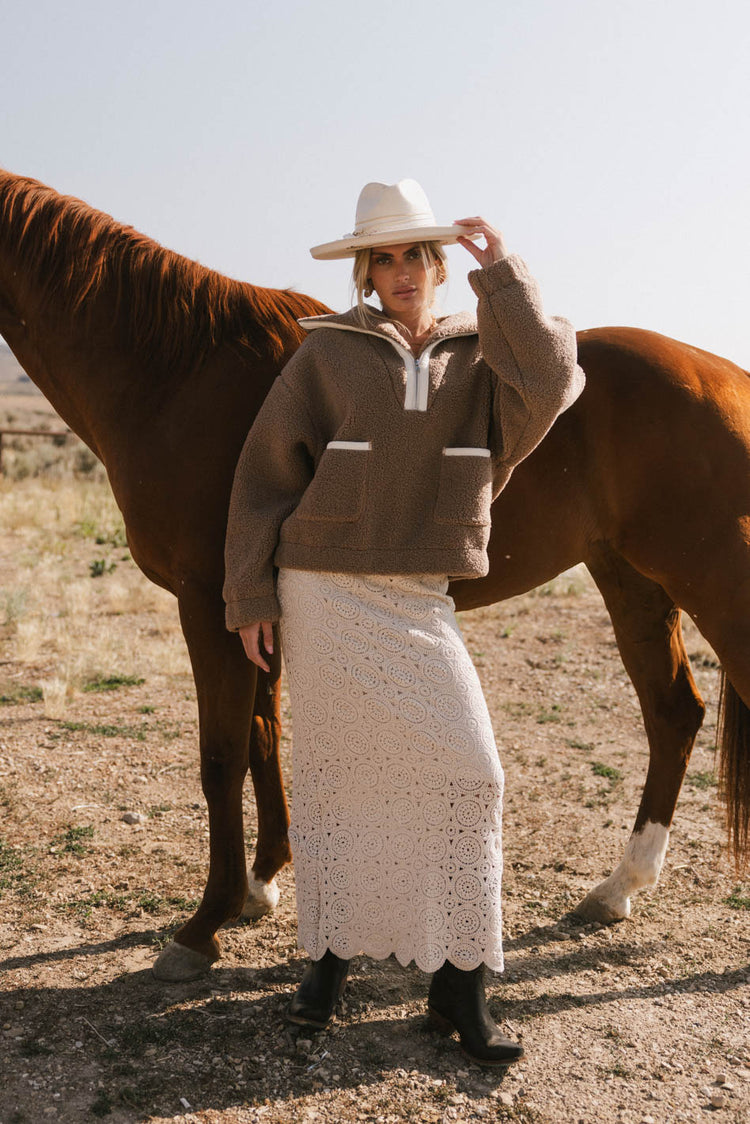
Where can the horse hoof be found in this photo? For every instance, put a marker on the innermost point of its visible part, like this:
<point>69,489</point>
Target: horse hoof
<point>262,898</point>
<point>176,964</point>
<point>594,907</point>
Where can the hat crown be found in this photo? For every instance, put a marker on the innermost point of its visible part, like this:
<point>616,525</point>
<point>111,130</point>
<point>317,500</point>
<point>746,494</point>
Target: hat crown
<point>390,214</point>
<point>392,207</point>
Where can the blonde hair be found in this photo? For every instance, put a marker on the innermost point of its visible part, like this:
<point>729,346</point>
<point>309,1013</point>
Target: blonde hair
<point>433,259</point>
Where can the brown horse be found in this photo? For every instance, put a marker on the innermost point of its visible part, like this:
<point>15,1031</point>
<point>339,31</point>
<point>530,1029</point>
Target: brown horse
<point>160,366</point>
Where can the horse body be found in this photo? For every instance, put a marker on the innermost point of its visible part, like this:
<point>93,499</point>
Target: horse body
<point>161,365</point>
<point>672,455</point>
<point>646,479</point>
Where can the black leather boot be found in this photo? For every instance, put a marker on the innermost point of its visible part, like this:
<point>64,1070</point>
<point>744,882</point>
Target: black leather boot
<point>456,1002</point>
<point>322,986</point>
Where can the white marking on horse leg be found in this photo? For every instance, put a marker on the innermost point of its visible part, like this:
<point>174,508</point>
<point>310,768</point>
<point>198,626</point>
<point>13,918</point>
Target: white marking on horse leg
<point>262,898</point>
<point>641,865</point>
<point>176,963</point>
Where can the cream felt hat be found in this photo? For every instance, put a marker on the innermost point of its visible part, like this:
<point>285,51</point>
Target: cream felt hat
<point>388,215</point>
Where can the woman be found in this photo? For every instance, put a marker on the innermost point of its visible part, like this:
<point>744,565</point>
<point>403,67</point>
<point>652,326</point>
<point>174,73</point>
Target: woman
<point>366,482</point>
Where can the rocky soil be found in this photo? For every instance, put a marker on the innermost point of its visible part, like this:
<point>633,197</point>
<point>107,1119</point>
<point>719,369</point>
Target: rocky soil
<point>103,850</point>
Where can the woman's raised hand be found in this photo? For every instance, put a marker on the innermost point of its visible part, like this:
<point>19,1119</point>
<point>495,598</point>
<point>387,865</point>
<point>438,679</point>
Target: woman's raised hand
<point>495,249</point>
<point>250,636</point>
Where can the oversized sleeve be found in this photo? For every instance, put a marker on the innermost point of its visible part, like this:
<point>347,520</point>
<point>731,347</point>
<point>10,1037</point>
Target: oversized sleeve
<point>532,355</point>
<point>274,468</point>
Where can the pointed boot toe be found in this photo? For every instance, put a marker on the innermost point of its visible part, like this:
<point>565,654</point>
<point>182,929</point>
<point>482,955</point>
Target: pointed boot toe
<point>457,1003</point>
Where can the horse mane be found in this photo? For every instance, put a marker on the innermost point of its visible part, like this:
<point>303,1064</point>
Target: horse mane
<point>172,311</point>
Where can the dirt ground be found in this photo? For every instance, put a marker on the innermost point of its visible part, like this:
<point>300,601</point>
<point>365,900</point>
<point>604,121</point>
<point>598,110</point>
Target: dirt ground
<point>646,1021</point>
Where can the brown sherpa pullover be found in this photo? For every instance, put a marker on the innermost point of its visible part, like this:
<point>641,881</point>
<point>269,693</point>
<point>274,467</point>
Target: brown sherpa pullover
<point>367,460</point>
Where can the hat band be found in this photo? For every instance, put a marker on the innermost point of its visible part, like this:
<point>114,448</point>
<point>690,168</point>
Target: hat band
<point>395,222</point>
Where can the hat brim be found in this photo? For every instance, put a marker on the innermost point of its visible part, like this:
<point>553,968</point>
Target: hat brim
<point>347,247</point>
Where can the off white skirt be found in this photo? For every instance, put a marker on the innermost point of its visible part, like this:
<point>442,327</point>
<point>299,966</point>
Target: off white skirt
<point>396,805</point>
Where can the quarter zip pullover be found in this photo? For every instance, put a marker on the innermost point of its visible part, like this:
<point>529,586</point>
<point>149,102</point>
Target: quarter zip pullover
<point>366,459</point>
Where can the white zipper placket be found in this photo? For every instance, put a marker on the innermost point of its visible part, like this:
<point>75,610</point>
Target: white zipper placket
<point>417,370</point>
<point>417,376</point>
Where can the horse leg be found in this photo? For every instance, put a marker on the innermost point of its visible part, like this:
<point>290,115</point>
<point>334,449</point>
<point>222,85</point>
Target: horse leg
<point>272,850</point>
<point>649,636</point>
<point>225,686</point>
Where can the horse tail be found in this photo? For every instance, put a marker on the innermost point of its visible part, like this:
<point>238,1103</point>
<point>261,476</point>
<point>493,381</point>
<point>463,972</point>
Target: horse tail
<point>733,741</point>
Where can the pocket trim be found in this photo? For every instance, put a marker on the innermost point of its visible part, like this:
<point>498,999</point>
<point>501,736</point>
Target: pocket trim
<point>364,445</point>
<point>466,452</point>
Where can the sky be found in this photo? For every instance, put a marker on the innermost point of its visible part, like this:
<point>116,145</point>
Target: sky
<point>609,142</point>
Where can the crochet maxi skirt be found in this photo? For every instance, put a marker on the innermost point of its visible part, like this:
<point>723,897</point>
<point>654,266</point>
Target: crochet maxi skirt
<point>396,805</point>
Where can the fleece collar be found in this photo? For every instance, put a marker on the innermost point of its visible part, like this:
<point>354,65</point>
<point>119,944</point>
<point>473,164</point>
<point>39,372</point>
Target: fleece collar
<point>457,324</point>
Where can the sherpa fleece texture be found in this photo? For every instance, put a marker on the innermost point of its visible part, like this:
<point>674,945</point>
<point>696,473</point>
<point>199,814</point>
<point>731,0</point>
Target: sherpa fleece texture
<point>413,494</point>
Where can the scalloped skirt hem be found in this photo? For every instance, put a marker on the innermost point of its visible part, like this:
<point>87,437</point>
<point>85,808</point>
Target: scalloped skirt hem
<point>493,963</point>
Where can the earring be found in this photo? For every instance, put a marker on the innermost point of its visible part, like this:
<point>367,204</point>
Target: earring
<point>368,288</point>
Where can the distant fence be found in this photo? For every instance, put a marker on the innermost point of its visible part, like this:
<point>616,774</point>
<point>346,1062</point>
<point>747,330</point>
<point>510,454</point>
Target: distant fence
<point>55,434</point>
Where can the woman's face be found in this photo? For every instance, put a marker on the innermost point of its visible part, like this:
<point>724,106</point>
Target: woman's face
<point>400,279</point>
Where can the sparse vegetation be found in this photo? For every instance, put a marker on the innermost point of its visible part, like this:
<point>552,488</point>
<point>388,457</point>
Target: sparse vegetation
<point>128,903</point>
<point>157,810</point>
<point>106,731</point>
<point>702,780</point>
<point>71,841</point>
<point>614,776</point>
<point>100,566</point>
<point>21,694</point>
<point>89,898</point>
<point>518,709</point>
<point>739,898</point>
<point>157,903</point>
<point>11,865</point>
<point>112,682</point>
<point>576,743</point>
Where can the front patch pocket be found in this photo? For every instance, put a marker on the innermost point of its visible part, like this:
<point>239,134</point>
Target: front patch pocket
<point>465,487</point>
<point>336,492</point>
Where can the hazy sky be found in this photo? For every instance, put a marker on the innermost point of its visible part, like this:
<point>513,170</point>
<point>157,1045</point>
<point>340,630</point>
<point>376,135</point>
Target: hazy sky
<point>608,141</point>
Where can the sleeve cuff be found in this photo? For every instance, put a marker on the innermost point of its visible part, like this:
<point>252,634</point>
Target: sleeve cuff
<point>499,275</point>
<point>241,613</point>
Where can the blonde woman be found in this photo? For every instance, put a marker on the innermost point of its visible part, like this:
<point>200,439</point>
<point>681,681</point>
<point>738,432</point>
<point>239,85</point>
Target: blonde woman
<point>364,485</point>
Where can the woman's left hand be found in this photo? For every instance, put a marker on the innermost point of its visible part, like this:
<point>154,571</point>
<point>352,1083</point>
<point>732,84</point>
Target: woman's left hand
<point>495,250</point>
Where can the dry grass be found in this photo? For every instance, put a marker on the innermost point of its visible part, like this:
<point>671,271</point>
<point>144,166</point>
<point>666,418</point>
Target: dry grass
<point>48,457</point>
<point>644,1020</point>
<point>77,606</point>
